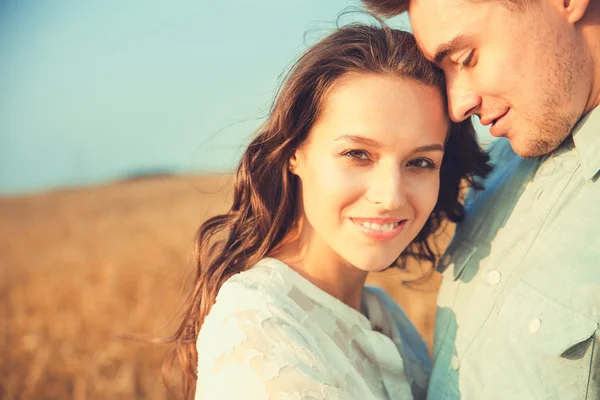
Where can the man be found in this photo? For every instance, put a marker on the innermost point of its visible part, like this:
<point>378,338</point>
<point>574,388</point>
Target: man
<point>519,307</point>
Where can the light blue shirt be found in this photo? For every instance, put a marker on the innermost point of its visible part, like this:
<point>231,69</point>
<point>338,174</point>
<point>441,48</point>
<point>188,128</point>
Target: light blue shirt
<point>519,304</point>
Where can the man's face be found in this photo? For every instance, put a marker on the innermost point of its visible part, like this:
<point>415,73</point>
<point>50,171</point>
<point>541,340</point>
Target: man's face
<point>520,70</point>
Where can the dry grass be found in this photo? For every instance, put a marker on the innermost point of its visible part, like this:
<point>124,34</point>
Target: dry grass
<point>80,267</point>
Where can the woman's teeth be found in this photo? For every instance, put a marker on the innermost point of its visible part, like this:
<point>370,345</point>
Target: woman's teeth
<point>378,227</point>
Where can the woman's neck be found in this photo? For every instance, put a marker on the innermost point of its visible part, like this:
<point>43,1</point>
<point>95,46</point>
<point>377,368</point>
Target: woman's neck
<point>308,254</point>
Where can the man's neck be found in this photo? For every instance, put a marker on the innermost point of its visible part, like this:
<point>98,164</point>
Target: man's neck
<point>590,30</point>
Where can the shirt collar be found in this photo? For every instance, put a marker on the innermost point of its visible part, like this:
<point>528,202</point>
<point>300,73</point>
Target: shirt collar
<point>586,137</point>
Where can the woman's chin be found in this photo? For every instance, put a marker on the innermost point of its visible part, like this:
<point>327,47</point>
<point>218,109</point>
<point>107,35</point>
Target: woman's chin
<point>375,263</point>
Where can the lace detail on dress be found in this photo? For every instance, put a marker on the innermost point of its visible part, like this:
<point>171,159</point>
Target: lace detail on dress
<point>268,340</point>
<point>261,354</point>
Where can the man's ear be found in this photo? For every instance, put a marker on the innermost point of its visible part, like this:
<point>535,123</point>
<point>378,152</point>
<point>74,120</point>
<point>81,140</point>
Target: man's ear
<point>575,9</point>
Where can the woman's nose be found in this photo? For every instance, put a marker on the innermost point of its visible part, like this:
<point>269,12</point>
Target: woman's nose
<point>387,189</point>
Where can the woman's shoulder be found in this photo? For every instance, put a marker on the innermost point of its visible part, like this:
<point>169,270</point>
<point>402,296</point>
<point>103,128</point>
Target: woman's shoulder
<point>253,319</point>
<point>258,289</point>
<point>258,296</point>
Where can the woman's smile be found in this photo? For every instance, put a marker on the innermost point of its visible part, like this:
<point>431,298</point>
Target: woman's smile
<point>380,228</point>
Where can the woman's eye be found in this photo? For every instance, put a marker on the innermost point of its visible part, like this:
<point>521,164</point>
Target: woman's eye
<point>422,163</point>
<point>357,154</point>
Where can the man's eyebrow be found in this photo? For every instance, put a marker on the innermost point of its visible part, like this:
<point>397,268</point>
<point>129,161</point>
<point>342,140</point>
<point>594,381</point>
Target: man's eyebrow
<point>444,49</point>
<point>359,139</point>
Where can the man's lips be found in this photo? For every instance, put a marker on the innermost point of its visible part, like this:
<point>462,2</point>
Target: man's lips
<point>493,119</point>
<point>496,128</point>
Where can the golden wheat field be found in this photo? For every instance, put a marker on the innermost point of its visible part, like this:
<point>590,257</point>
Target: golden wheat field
<point>79,267</point>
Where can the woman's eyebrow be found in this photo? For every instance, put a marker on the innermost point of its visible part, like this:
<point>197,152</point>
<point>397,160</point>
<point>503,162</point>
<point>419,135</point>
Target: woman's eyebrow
<point>374,143</point>
<point>430,147</point>
<point>359,139</point>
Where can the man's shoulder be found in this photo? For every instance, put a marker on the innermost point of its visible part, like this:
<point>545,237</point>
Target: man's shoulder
<point>487,210</point>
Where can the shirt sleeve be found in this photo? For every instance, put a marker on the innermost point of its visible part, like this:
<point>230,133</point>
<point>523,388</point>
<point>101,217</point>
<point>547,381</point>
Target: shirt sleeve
<point>261,354</point>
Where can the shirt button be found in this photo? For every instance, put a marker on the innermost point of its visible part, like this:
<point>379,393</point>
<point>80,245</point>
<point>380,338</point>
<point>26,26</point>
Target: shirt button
<point>535,325</point>
<point>494,277</point>
<point>454,363</point>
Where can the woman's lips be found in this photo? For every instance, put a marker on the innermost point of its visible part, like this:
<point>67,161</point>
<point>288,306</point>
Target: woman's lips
<point>380,228</point>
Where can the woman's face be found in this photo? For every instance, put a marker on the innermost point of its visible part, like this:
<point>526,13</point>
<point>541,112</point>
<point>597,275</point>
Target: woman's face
<point>369,170</point>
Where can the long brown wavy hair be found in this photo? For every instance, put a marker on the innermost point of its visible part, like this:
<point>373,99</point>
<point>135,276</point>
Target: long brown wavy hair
<point>264,195</point>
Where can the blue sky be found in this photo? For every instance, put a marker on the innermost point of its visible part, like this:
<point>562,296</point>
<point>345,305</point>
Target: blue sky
<point>94,90</point>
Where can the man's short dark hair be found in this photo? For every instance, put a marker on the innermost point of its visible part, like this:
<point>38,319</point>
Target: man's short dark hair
<point>387,8</point>
<point>390,8</point>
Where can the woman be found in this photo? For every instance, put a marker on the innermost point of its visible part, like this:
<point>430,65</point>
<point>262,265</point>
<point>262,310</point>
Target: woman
<point>356,166</point>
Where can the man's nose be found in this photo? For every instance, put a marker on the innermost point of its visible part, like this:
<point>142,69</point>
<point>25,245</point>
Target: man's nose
<point>388,189</point>
<point>463,101</point>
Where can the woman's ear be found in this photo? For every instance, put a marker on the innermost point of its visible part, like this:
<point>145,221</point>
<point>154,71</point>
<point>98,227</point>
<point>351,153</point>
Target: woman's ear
<point>294,162</point>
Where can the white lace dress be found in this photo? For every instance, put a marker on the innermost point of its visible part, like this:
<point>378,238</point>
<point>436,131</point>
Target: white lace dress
<point>272,334</point>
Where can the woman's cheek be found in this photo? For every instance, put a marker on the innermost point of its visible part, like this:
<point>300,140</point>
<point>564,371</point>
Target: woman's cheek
<point>333,187</point>
<point>433,189</point>
<point>335,175</point>
<point>424,190</point>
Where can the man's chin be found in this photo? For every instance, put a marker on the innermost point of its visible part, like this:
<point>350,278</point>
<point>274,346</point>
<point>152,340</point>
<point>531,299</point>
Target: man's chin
<point>532,148</point>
